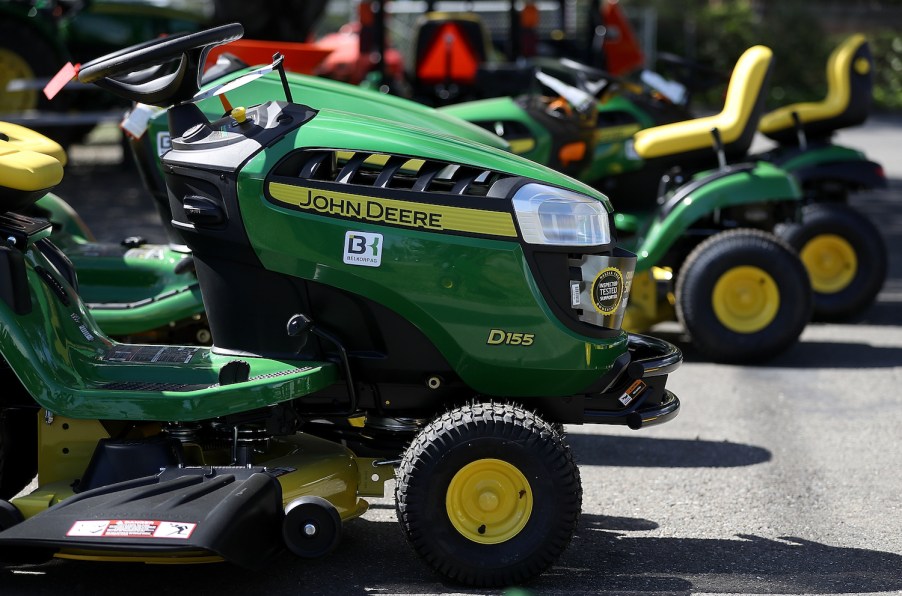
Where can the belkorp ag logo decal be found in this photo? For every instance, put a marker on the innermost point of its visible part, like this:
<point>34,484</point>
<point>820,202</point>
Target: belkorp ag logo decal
<point>363,248</point>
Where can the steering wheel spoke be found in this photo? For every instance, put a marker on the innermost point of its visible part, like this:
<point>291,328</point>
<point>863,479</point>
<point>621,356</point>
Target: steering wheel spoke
<point>161,71</point>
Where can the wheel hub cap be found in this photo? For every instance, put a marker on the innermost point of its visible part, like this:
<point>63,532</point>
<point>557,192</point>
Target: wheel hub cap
<point>12,67</point>
<point>489,501</point>
<point>831,263</point>
<point>746,299</point>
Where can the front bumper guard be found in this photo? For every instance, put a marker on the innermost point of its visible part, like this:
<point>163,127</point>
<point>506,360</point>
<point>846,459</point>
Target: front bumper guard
<point>637,387</point>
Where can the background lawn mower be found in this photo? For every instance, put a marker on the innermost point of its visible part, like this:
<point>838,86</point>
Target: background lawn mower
<point>703,236</point>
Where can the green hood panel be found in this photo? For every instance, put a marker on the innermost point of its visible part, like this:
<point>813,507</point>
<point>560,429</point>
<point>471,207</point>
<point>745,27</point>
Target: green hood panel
<point>487,112</point>
<point>762,184</point>
<point>792,159</point>
<point>319,93</point>
<point>455,288</point>
<point>341,130</point>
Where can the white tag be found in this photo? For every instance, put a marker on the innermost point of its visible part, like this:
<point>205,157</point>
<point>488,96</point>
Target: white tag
<point>135,122</point>
<point>575,293</point>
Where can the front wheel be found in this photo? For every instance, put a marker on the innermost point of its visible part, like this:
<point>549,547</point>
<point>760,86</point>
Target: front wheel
<point>743,296</point>
<point>844,254</point>
<point>488,495</point>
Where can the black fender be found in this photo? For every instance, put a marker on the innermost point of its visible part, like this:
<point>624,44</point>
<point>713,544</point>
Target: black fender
<point>854,175</point>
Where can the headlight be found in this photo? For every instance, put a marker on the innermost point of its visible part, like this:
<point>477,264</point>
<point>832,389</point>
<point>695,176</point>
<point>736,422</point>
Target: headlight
<point>549,215</point>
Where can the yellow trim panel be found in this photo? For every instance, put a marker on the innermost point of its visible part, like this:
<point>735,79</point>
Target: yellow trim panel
<point>409,214</point>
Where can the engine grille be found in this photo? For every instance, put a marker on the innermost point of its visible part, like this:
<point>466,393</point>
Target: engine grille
<point>380,170</point>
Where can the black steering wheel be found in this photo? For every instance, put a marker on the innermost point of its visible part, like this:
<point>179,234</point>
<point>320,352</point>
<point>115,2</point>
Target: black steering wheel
<point>694,75</point>
<point>161,71</point>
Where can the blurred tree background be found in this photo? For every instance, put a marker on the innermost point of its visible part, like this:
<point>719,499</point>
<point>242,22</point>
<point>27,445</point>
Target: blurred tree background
<point>802,33</point>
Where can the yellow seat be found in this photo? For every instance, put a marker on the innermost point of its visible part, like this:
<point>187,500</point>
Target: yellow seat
<point>29,140</point>
<point>26,172</point>
<point>736,122</point>
<point>849,82</point>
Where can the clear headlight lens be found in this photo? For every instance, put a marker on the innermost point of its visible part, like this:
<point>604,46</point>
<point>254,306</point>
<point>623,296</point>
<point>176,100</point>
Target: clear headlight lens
<point>559,217</point>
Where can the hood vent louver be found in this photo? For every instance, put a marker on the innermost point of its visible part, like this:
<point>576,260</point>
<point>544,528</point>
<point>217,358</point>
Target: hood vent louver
<point>380,170</point>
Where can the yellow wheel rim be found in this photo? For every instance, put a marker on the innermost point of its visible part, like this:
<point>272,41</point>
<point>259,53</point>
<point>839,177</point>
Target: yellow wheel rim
<point>12,67</point>
<point>489,501</point>
<point>746,299</point>
<point>831,263</point>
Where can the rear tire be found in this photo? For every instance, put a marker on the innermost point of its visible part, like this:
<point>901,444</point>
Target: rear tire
<point>488,495</point>
<point>743,296</point>
<point>844,254</point>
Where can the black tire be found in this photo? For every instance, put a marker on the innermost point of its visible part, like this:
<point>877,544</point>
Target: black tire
<point>18,450</point>
<point>775,319</point>
<point>846,272</point>
<point>484,435</point>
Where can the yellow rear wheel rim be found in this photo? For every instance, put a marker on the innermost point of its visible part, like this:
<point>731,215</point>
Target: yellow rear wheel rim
<point>13,66</point>
<point>746,299</point>
<point>489,501</point>
<point>831,263</point>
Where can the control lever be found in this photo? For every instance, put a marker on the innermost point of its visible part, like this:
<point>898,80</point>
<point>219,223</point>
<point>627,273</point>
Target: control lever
<point>800,131</point>
<point>718,147</point>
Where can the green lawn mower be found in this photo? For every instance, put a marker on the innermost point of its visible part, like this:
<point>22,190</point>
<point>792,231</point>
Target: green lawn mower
<point>443,304</point>
<point>148,292</point>
<point>842,249</point>
<point>703,236</point>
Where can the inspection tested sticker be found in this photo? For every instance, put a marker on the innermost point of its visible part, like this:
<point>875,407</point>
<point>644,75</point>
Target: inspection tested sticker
<point>130,528</point>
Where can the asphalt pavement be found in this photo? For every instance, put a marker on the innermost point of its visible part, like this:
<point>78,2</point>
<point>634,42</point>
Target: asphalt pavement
<point>780,478</point>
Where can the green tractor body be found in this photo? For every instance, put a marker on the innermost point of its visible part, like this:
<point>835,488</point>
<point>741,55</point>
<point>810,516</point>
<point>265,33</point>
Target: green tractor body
<point>372,289</point>
<point>149,292</point>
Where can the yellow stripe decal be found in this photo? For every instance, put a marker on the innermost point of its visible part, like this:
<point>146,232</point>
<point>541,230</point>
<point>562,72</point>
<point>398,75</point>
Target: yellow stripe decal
<point>616,133</point>
<point>391,211</point>
<point>520,146</point>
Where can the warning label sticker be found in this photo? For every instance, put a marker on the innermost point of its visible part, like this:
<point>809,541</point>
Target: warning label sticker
<point>129,528</point>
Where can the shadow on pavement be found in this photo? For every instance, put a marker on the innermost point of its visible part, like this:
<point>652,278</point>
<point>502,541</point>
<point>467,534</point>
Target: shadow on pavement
<point>810,353</point>
<point>815,354</point>
<point>605,450</point>
<point>744,564</point>
<point>605,557</point>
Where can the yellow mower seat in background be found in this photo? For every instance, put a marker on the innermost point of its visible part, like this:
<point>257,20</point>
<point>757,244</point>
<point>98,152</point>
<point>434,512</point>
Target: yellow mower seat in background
<point>736,122</point>
<point>26,171</point>
<point>848,100</point>
<point>29,140</point>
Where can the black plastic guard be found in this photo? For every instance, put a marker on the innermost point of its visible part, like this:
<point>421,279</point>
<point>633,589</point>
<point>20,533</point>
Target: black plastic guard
<point>235,513</point>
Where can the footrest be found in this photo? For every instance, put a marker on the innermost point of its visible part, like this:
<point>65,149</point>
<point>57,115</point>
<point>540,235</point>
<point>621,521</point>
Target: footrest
<point>231,512</point>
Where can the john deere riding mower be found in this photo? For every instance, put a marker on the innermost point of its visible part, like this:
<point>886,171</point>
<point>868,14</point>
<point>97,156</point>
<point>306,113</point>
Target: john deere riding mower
<point>148,292</point>
<point>707,254</point>
<point>436,300</point>
<point>842,249</point>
